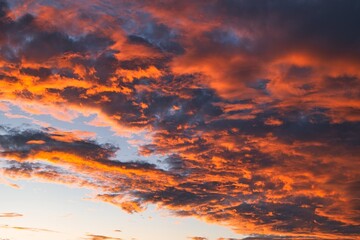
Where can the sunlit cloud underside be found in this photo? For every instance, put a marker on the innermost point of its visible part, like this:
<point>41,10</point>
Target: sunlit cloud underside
<point>244,114</point>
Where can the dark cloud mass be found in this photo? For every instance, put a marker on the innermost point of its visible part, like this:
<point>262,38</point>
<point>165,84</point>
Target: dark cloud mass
<point>255,106</point>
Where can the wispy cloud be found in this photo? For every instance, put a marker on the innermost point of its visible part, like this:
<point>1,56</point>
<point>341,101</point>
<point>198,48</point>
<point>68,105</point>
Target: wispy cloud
<point>101,237</point>
<point>10,215</point>
<point>27,229</point>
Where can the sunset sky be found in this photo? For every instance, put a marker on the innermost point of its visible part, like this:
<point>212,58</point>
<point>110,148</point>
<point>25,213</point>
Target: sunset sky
<point>179,120</point>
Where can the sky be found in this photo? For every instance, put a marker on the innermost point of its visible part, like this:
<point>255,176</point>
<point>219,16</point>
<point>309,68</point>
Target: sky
<point>181,120</point>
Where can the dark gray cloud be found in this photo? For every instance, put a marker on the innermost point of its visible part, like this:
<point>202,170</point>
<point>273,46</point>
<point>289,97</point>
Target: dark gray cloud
<point>37,44</point>
<point>24,142</point>
<point>327,24</point>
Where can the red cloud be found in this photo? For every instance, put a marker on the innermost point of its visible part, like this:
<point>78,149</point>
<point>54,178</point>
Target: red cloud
<point>255,108</point>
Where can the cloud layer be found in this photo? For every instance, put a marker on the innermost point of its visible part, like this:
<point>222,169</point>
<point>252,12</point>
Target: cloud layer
<point>255,108</point>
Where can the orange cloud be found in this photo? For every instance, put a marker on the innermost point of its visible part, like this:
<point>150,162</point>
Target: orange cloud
<point>255,124</point>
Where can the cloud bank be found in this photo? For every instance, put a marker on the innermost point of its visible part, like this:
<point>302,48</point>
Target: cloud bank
<point>255,107</point>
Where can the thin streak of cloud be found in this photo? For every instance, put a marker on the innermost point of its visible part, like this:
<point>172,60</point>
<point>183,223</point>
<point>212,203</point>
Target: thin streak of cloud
<point>28,229</point>
<point>10,215</point>
<point>101,237</point>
